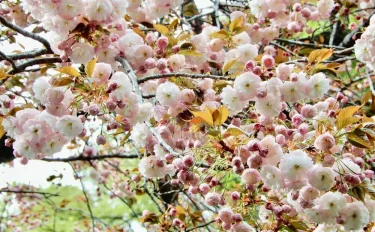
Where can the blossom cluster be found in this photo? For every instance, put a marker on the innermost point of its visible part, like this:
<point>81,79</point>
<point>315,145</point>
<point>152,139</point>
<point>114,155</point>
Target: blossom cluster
<point>297,153</point>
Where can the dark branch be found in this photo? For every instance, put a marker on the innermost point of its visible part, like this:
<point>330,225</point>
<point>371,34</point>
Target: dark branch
<point>27,192</point>
<point>22,67</point>
<point>7,58</point>
<point>349,36</point>
<point>193,76</point>
<point>90,158</point>
<point>29,54</point>
<point>25,33</point>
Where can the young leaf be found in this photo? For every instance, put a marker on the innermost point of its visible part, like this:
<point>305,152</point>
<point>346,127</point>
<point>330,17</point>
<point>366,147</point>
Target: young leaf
<point>63,81</point>
<point>173,25</point>
<point>320,55</point>
<point>90,66</point>
<point>220,115</point>
<point>228,65</point>
<point>236,23</point>
<point>346,122</point>
<point>162,29</point>
<point>3,74</point>
<point>357,141</point>
<point>204,116</point>
<point>234,131</point>
<point>222,34</point>
<point>345,113</point>
<point>69,70</point>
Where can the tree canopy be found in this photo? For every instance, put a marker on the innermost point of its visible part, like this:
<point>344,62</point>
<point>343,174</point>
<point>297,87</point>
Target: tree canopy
<point>243,116</point>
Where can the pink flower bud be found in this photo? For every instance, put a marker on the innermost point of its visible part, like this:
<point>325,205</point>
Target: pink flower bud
<point>136,178</point>
<point>253,145</point>
<point>193,189</point>
<point>297,119</point>
<point>160,163</point>
<point>94,110</point>
<point>257,70</point>
<point>250,176</point>
<point>280,139</point>
<point>268,61</point>
<point>343,188</point>
<point>235,196</point>
<point>324,142</point>
<point>55,96</point>
<point>175,49</point>
<point>176,222</point>
<point>369,174</point>
<point>254,161</point>
<point>101,140</point>
<point>188,96</point>
<point>161,64</point>
<point>162,42</point>
<point>297,7</point>
<point>188,161</point>
<point>150,38</point>
<point>250,65</point>
<point>150,63</point>
<point>216,45</point>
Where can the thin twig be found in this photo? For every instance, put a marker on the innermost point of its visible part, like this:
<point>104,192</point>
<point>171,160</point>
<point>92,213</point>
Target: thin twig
<point>86,197</point>
<point>283,48</point>
<point>201,226</point>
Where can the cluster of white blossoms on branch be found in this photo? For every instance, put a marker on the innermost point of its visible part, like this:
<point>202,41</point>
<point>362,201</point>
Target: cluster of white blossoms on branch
<point>262,144</point>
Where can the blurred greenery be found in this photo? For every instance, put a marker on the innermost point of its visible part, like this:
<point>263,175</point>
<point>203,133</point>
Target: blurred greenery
<point>68,210</point>
<point>72,212</point>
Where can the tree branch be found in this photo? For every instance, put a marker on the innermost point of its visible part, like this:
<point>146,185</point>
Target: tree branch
<point>349,36</point>
<point>7,58</point>
<point>22,67</point>
<point>90,158</point>
<point>310,44</point>
<point>29,54</point>
<point>25,33</point>
<point>193,76</point>
<point>27,192</point>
